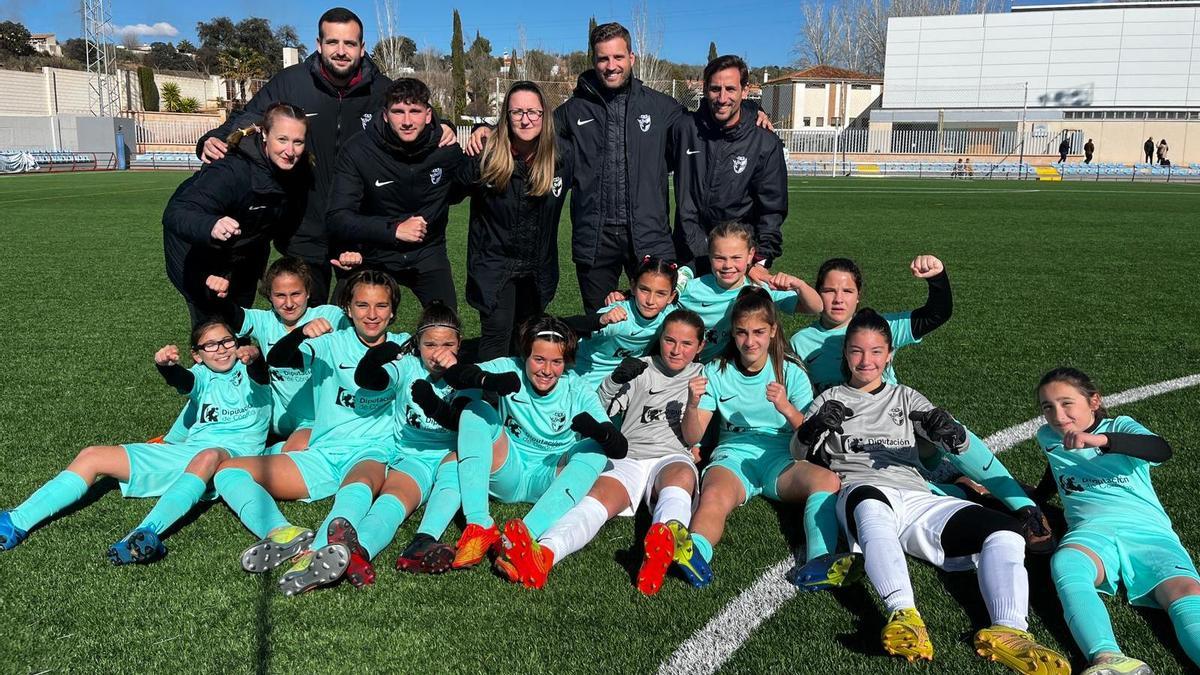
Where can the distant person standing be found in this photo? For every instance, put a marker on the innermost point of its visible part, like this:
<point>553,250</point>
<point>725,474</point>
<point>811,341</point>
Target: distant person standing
<point>1089,150</point>
<point>1148,147</point>
<point>969,168</point>
<point>1162,152</point>
<point>1063,149</point>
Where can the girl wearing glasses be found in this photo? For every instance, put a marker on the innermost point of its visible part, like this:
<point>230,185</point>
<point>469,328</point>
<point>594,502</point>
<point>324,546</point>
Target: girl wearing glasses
<point>518,185</point>
<point>233,411</point>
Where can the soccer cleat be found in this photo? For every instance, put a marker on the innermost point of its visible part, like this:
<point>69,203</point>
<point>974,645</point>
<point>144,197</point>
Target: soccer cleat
<point>158,440</point>
<point>506,568</point>
<point>425,555</point>
<point>1118,664</point>
<point>687,557</point>
<point>10,535</point>
<point>658,550</point>
<point>281,545</point>
<point>314,569</point>
<point>360,573</point>
<point>1017,650</point>
<point>905,635</point>
<point>140,546</point>
<point>530,560</point>
<point>825,572</point>
<point>474,544</point>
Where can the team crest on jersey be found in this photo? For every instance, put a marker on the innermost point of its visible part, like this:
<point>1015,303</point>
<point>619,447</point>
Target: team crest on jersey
<point>435,176</point>
<point>236,379</point>
<point>512,427</point>
<point>644,122</point>
<point>366,119</point>
<point>344,398</point>
<point>739,164</point>
<point>556,186</point>
<point>559,421</point>
<point>897,416</point>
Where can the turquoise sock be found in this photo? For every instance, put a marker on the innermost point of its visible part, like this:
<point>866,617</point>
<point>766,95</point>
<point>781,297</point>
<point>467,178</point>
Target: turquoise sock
<point>183,494</point>
<point>820,524</point>
<point>351,502</point>
<point>703,546</point>
<point>979,464</point>
<point>379,527</point>
<point>568,489</point>
<point>253,505</point>
<point>443,502</point>
<point>1185,616</point>
<point>1074,576</point>
<point>478,429</point>
<point>57,494</point>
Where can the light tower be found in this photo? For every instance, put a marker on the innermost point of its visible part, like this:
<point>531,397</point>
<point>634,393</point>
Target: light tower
<point>104,96</point>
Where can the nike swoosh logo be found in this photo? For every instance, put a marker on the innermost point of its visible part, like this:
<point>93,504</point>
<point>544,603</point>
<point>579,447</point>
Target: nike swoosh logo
<point>257,208</point>
<point>345,367</point>
<point>636,333</point>
<point>381,184</point>
<point>813,358</point>
<point>693,152</point>
<point>727,398</point>
<point>580,123</point>
<point>989,464</point>
<point>707,304</point>
<point>311,114</point>
<point>655,393</point>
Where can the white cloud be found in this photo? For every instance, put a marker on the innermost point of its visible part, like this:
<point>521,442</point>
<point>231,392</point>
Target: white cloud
<point>160,29</point>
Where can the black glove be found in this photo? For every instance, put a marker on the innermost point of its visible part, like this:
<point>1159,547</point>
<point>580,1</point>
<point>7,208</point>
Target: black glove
<point>369,374</point>
<point>445,414</point>
<point>627,370</point>
<point>941,428</point>
<point>611,441</point>
<point>1039,539</point>
<point>464,376</point>
<point>828,418</point>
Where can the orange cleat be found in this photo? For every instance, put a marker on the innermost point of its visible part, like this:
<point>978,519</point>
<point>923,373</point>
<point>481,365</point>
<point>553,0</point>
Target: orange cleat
<point>530,560</point>
<point>474,544</point>
<point>659,551</point>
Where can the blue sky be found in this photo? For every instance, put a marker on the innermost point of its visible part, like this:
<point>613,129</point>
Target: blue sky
<point>763,32</point>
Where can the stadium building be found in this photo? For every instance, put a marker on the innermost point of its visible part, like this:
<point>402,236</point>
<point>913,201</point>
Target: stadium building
<point>1114,73</point>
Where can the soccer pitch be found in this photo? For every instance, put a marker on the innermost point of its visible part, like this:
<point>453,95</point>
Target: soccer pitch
<point>1098,276</point>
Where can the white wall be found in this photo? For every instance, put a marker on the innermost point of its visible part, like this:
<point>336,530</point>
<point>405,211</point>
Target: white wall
<point>1143,58</point>
<point>53,91</point>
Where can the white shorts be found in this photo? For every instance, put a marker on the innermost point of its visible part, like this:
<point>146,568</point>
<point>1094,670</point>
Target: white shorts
<point>637,476</point>
<point>921,517</point>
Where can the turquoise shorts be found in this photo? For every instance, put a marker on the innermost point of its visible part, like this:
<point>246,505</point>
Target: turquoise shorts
<point>757,466</point>
<point>419,465</point>
<point>525,476</point>
<point>153,467</point>
<point>324,468</point>
<point>1140,557</point>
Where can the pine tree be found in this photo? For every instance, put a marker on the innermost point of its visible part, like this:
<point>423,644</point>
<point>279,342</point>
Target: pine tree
<point>591,51</point>
<point>458,70</point>
<point>712,51</point>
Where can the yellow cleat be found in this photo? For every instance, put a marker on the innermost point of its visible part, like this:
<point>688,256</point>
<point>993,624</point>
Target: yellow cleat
<point>1019,651</point>
<point>905,635</point>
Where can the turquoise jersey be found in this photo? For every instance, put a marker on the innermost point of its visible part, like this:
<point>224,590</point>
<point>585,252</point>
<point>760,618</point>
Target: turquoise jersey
<point>713,303</point>
<point>415,431</point>
<point>541,425</point>
<point>231,409</point>
<point>346,414</point>
<point>601,353</point>
<point>821,349</point>
<point>741,401</point>
<point>291,388</point>
<point>1104,488</point>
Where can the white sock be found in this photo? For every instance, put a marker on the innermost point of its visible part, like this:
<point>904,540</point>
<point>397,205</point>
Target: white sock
<point>879,537</point>
<point>574,530</point>
<point>674,503</point>
<point>1003,580</point>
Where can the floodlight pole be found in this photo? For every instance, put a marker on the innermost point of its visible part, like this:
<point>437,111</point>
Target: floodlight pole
<point>1024,109</point>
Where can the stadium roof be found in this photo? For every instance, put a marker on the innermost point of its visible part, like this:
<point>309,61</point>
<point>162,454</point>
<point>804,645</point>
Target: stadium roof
<point>827,74</point>
<point>1102,4</point>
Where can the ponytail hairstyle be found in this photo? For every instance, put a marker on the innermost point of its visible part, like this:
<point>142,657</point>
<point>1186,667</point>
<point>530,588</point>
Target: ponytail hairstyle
<point>274,112</point>
<point>497,163</point>
<point>754,300</point>
<point>865,319</point>
<point>550,329</point>
<point>732,228</point>
<point>204,326</point>
<point>436,314</point>
<point>652,265</point>
<point>684,316</point>
<point>1078,379</point>
<point>369,277</point>
<point>286,265</point>
<point>840,265</point>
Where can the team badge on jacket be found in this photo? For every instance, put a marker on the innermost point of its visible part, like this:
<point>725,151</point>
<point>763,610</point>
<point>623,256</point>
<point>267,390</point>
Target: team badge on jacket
<point>556,186</point>
<point>739,164</point>
<point>897,416</point>
<point>435,176</point>
<point>644,122</point>
<point>365,119</point>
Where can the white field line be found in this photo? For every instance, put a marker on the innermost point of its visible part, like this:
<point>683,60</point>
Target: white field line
<point>712,645</point>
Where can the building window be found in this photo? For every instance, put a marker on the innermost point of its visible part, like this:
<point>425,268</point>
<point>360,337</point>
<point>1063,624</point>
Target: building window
<point>835,121</point>
<point>820,121</point>
<point>808,121</point>
<point>860,86</point>
<point>814,85</point>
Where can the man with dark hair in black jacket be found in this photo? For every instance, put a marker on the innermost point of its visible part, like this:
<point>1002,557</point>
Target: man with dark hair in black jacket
<point>391,194</point>
<point>340,88</point>
<point>726,168</point>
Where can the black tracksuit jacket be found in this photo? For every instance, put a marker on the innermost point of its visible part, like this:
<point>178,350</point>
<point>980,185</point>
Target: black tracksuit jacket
<point>724,174</point>
<point>334,116</point>
<point>379,181</point>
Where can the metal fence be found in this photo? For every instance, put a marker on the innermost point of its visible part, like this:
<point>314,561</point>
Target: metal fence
<point>177,129</point>
<point>962,142</point>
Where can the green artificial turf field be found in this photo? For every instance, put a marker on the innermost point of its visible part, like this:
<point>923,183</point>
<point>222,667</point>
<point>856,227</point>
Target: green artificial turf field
<point>1100,276</point>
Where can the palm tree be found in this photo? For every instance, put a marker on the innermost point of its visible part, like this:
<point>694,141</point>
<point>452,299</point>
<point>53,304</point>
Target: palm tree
<point>241,64</point>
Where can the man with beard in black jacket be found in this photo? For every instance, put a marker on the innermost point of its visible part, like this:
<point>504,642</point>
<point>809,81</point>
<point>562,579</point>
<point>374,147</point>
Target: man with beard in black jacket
<point>726,168</point>
<point>340,88</point>
<point>392,190</point>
